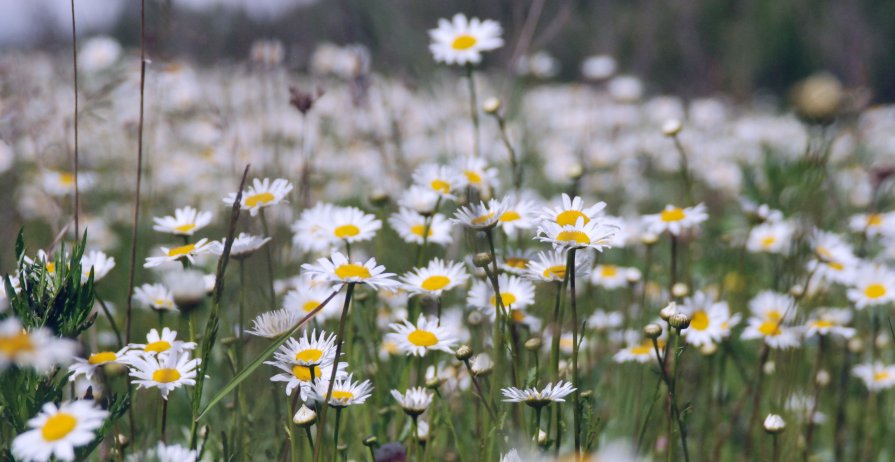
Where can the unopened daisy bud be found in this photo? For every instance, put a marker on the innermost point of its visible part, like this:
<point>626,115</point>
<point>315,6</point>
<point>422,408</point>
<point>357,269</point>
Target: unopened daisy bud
<point>203,431</point>
<point>304,417</point>
<point>422,431</point>
<point>379,197</point>
<point>679,321</point>
<point>796,290</point>
<point>822,378</point>
<point>575,172</point>
<point>482,260</point>
<point>669,311</point>
<point>187,287</point>
<point>481,365</point>
<point>371,441</point>
<point>227,341</point>
<point>433,382</point>
<point>652,330</point>
<point>533,344</point>
<point>342,448</point>
<point>361,295</point>
<point>672,127</point>
<point>464,352</point>
<point>649,238</point>
<point>709,349</point>
<point>882,340</point>
<point>855,345</point>
<point>122,440</point>
<point>541,438</point>
<point>680,290</point>
<point>774,424</point>
<point>491,105</point>
<point>769,368</point>
<point>475,318</point>
<point>633,275</point>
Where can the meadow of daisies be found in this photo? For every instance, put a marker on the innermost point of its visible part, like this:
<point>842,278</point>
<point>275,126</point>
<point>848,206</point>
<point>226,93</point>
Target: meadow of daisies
<point>240,262</point>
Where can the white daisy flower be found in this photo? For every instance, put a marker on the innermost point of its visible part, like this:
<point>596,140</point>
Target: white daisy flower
<point>710,321</point>
<point>166,372</point>
<point>551,266</point>
<point>304,377</point>
<point>98,262</point>
<point>675,219</point>
<point>262,194</point>
<point>37,348</point>
<point>435,278</point>
<point>533,397</point>
<point>160,343</point>
<point>411,226</point>
<point>155,296</point>
<point>310,230</point>
<point>770,237</point>
<point>185,222</point>
<point>480,217</point>
<point>308,295</point>
<point>462,41</point>
<point>873,224</point>
<point>876,376</point>
<point>440,179</point>
<point>641,352</point>
<point>421,199</point>
<point>59,183</point>
<point>515,293</point>
<point>351,224</point>
<point>345,391</point>
<point>274,323</point>
<point>519,214</point>
<point>414,401</point>
<point>186,251</point>
<point>827,321</point>
<point>165,453</point>
<point>338,270</point>
<point>244,245</point>
<point>571,210</point>
<point>602,321</point>
<point>308,359</point>
<point>513,261</point>
<point>477,174</point>
<point>872,285</point>
<point>419,339</point>
<point>583,234</point>
<point>771,313</point>
<point>55,432</point>
<point>835,261</point>
<point>609,276</point>
<point>87,367</point>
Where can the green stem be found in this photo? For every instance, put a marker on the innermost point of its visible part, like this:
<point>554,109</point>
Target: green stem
<point>576,409</point>
<point>473,109</point>
<point>267,248</point>
<point>336,436</point>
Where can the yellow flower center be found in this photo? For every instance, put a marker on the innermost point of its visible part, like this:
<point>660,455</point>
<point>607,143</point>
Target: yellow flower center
<point>768,241</point>
<point>352,270</point>
<point>419,230</point>
<point>51,267</point>
<point>18,343</point>
<point>473,177</point>
<point>578,237</point>
<point>160,302</point>
<point>557,271</point>
<point>507,298</point>
<point>441,186</point>
<point>880,376</point>
<point>66,179</point>
<point>875,291</point>
<point>510,215</point>
<point>185,228</point>
<point>311,355</point>
<point>518,316</point>
<point>822,323</point>
<point>342,395</point>
<point>770,328</point>
<point>257,200</point>
<point>482,219</point>
<point>874,219</point>
<point>699,320</point>
<point>58,425</point>
<point>422,338</point>
<point>642,349</point>
<point>182,250</point>
<point>516,262</point>
<point>166,375</point>
<point>346,231</point>
<point>310,305</point>
<point>609,271</point>
<point>570,217</point>
<point>675,214</point>
<point>437,282</point>
<point>823,252</point>
<point>303,373</point>
<point>464,42</point>
<point>103,357</point>
<point>158,347</point>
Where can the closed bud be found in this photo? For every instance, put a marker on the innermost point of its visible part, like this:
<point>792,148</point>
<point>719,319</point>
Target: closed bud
<point>680,290</point>
<point>304,417</point>
<point>708,349</point>
<point>371,441</point>
<point>533,344</point>
<point>679,321</point>
<point>822,378</point>
<point>769,368</point>
<point>482,365</point>
<point>482,259</point>
<point>122,441</point>
<point>669,311</point>
<point>491,105</point>
<point>649,238</point>
<point>379,197</point>
<point>774,424</point>
<point>633,275</point>
<point>542,439</point>
<point>464,352</point>
<point>855,345</point>
<point>575,172</point>
<point>433,382</point>
<point>672,127</point>
<point>475,318</point>
<point>652,330</point>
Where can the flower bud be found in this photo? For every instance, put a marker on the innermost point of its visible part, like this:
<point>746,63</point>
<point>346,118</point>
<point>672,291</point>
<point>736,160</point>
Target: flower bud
<point>680,290</point>
<point>822,378</point>
<point>769,368</point>
<point>543,438</point>
<point>533,344</point>
<point>304,417</point>
<point>679,321</point>
<point>122,441</point>
<point>855,345</point>
<point>482,259</point>
<point>464,352</point>
<point>649,238</point>
<point>774,424</point>
<point>475,318</point>
<point>633,275</point>
<point>708,349</point>
<point>652,330</point>
<point>379,197</point>
<point>371,441</point>
<point>672,127</point>
<point>481,365</point>
<point>433,382</point>
<point>669,311</point>
<point>575,172</point>
<point>491,105</point>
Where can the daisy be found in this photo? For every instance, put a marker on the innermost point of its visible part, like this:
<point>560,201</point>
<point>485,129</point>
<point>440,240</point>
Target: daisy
<point>37,348</point>
<point>166,372</point>
<point>571,210</point>
<point>55,432</point>
<point>187,251</point>
<point>411,226</point>
<point>609,276</point>
<point>419,339</point>
<point>534,398</point>
<point>274,323</point>
<point>515,261</point>
<point>414,401</point>
<point>551,266</point>
<point>87,367</point>
<point>97,262</point>
<point>675,220</point>
<point>873,224</point>
<point>602,321</point>
<point>308,295</point>
<point>161,343</point>
<point>244,246</point>
<point>337,269</point>
<point>520,214</point>
<point>876,376</point>
<point>480,217</point>
<point>345,392</point>
<point>166,453</point>
<point>462,41</point>
<point>872,285</point>
<point>351,224</point>
<point>420,199</point>
<point>522,318</point>
<point>826,321</point>
<point>762,213</point>
<point>307,355</point>
<point>477,174</point>
<point>155,296</point>
<point>304,377</point>
<point>515,293</point>
<point>59,183</point>
<point>262,194</point>
<point>641,352</point>
<point>583,234</point>
<point>770,237</point>
<point>185,222</point>
<point>435,278</point>
<point>440,179</point>
<point>834,259</point>
<point>710,321</point>
<point>770,313</point>
<point>310,233</point>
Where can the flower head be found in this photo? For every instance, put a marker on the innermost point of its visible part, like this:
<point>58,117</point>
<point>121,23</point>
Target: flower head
<point>462,40</point>
<point>55,432</point>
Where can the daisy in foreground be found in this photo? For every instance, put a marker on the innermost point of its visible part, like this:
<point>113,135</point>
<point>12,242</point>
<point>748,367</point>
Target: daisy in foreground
<point>37,348</point>
<point>534,398</point>
<point>462,41</point>
<point>480,217</point>
<point>262,194</point>
<point>420,338</point>
<point>185,222</point>
<point>88,366</point>
<point>57,431</point>
<point>338,269</point>
<point>675,219</point>
<point>572,209</point>
<point>166,372</point>
<point>583,234</point>
<point>187,252</point>
<point>435,278</point>
<point>414,401</point>
<point>160,343</point>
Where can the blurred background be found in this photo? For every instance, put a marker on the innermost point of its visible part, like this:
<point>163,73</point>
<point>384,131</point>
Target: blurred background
<point>688,47</point>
